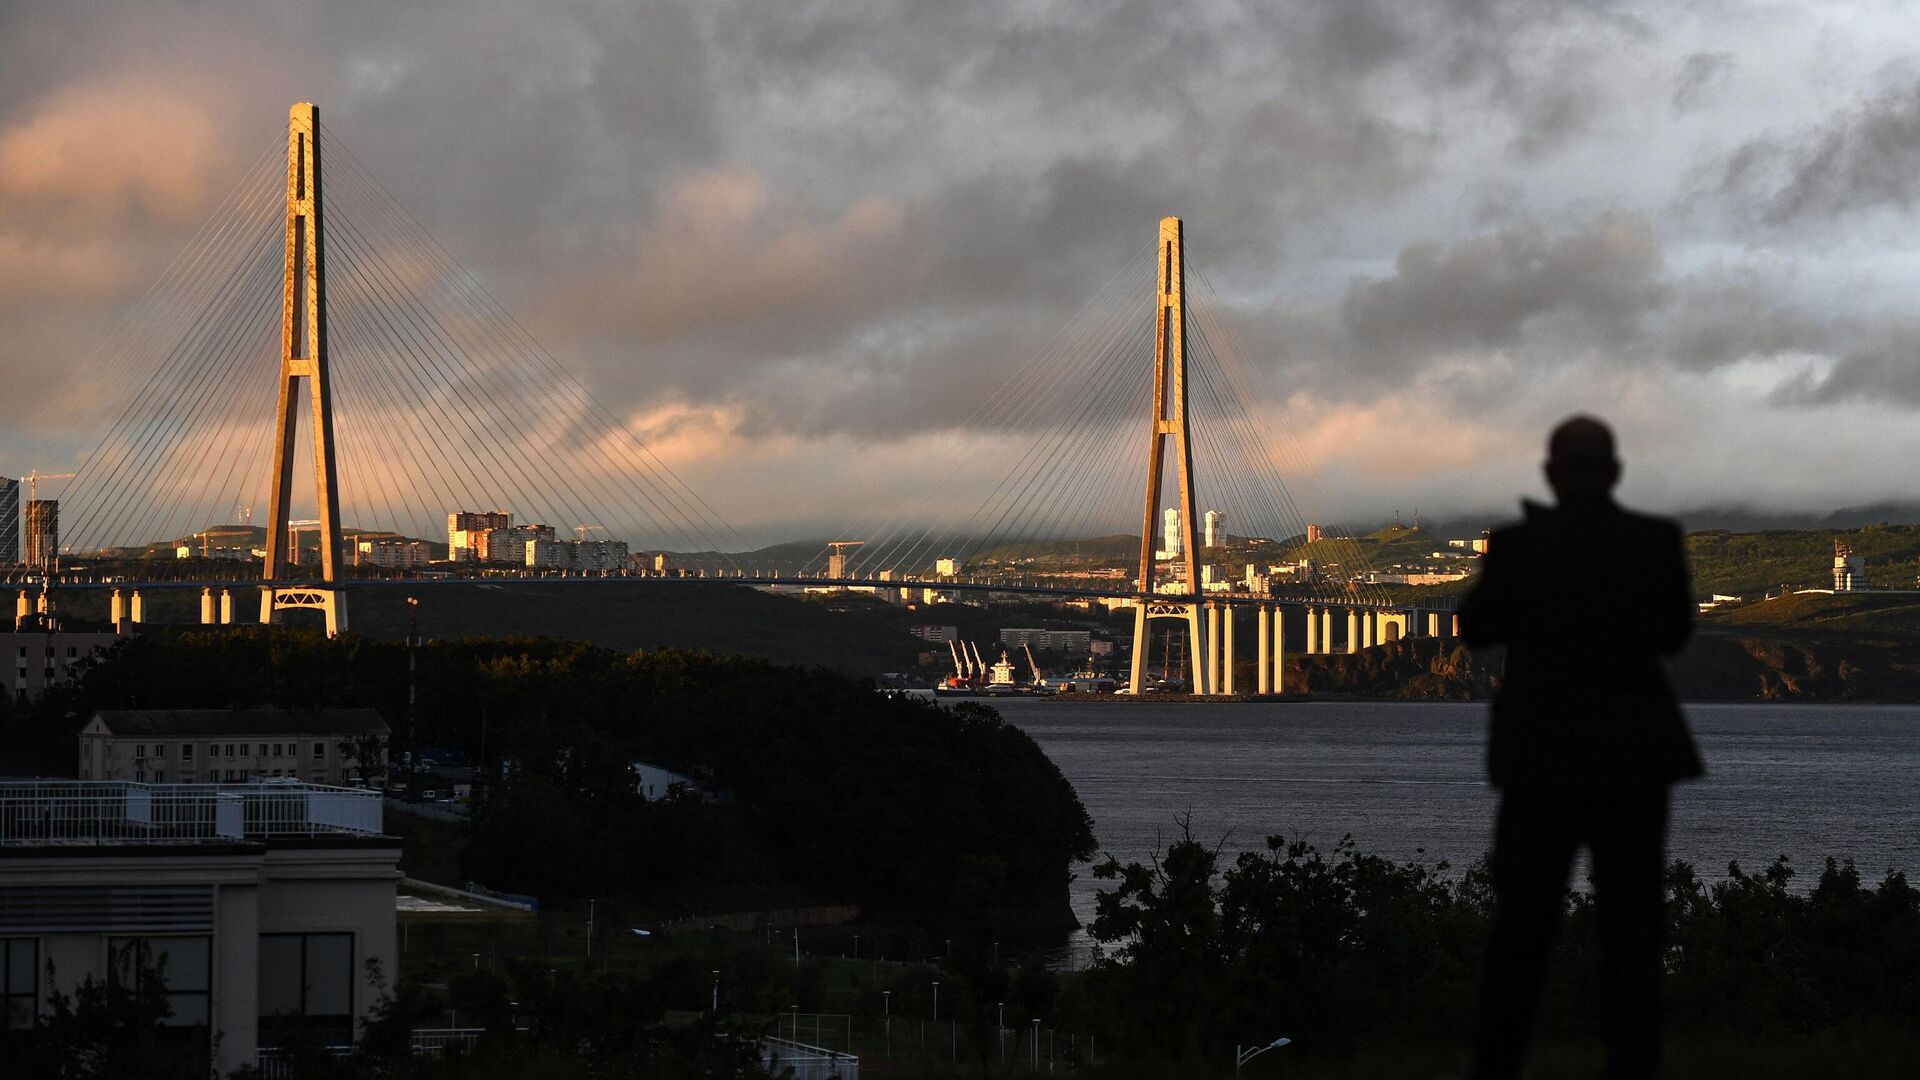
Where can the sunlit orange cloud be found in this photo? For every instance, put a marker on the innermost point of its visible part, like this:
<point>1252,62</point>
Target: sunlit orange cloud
<point>32,269</point>
<point>100,151</point>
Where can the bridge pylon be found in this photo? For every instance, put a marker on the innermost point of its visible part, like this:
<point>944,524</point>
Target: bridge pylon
<point>303,355</point>
<point>1170,423</point>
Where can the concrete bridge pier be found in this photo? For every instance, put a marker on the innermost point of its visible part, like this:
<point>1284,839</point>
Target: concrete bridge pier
<point>1279,655</point>
<point>1226,648</point>
<point>206,606</point>
<point>1262,682</point>
<point>1369,623</point>
<point>1326,631</point>
<point>1353,631</point>
<point>138,611</point>
<point>1213,651</point>
<point>226,607</point>
<point>117,612</point>
<point>21,609</point>
<point>1313,629</point>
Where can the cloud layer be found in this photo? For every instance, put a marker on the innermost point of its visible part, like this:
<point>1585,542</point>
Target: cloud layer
<point>820,237</point>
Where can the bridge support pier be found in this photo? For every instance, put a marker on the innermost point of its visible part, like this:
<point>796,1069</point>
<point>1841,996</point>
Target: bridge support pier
<point>1212,680</point>
<point>1353,631</point>
<point>1262,681</point>
<point>1453,626</point>
<point>332,603</point>
<point>1226,649</point>
<point>1326,631</point>
<point>23,608</point>
<point>206,606</point>
<point>1313,629</point>
<point>137,611</point>
<point>1369,629</point>
<point>1279,658</point>
<point>226,607</point>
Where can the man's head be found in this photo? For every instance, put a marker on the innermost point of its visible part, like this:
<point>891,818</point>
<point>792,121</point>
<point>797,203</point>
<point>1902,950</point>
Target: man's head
<point>1580,458</point>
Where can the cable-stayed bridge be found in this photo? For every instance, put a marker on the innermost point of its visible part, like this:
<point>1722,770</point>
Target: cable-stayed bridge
<point>421,395</point>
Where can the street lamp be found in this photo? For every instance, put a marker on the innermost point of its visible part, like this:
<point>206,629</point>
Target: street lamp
<point>716,992</point>
<point>1243,1055</point>
<point>936,1001</point>
<point>886,1002</point>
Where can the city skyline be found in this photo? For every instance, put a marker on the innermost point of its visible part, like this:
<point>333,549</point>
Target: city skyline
<point>1436,232</point>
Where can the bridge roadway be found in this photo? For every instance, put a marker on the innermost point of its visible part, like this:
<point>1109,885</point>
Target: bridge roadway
<point>34,582</point>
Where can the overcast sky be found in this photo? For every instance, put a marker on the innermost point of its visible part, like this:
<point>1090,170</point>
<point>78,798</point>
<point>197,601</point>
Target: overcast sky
<point>783,238</point>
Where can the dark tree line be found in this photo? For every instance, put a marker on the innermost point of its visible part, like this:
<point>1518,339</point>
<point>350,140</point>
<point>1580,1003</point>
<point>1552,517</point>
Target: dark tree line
<point>1341,949</point>
<point>908,809</point>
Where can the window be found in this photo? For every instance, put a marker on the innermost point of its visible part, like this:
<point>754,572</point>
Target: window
<point>230,752</point>
<point>276,749</point>
<point>19,982</point>
<point>306,980</point>
<point>159,776</point>
<point>140,750</point>
<point>319,751</point>
<point>229,776</point>
<point>139,776</point>
<point>72,652</point>
<point>23,652</point>
<point>186,752</point>
<point>183,964</point>
<point>263,750</point>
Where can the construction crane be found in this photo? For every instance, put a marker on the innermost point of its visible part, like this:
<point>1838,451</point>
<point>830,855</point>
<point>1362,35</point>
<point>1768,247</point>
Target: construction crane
<point>580,531</point>
<point>837,562</point>
<point>33,482</point>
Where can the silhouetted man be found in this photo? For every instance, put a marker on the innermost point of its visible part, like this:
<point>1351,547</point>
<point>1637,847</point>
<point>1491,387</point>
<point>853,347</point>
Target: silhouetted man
<point>1586,739</point>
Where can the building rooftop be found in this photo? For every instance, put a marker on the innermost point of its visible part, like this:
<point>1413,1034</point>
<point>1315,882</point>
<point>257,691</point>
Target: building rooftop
<point>43,813</point>
<point>198,723</point>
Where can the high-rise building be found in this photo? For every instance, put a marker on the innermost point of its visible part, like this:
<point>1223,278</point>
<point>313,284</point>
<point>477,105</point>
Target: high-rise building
<point>1315,534</point>
<point>9,521</point>
<point>1216,528</point>
<point>466,528</point>
<point>1170,532</point>
<point>43,532</point>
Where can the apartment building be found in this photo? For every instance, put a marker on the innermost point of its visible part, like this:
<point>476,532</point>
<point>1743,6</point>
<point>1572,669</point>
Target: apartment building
<point>187,746</point>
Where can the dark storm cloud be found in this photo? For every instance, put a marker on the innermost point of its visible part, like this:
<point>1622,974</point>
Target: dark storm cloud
<point>1884,370</point>
<point>1700,79</point>
<point>1596,282</point>
<point>1864,156</point>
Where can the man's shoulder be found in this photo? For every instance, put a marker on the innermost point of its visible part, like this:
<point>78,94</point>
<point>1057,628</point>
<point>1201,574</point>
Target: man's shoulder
<point>1651,526</point>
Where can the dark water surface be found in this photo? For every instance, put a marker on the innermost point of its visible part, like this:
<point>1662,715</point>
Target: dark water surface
<point>1406,780</point>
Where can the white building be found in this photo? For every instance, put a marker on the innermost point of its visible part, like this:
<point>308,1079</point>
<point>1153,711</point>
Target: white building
<point>391,554</point>
<point>1216,528</point>
<point>939,635</point>
<point>1169,534</point>
<point>1079,642</point>
<point>266,901</point>
<point>946,567</point>
<point>656,782</point>
<point>188,746</point>
<point>591,556</point>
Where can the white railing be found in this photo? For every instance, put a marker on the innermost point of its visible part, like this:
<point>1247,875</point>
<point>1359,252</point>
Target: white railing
<point>806,1062</point>
<point>122,812</point>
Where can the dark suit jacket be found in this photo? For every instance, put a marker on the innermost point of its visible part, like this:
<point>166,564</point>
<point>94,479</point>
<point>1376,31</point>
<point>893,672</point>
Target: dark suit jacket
<point>1587,598</point>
